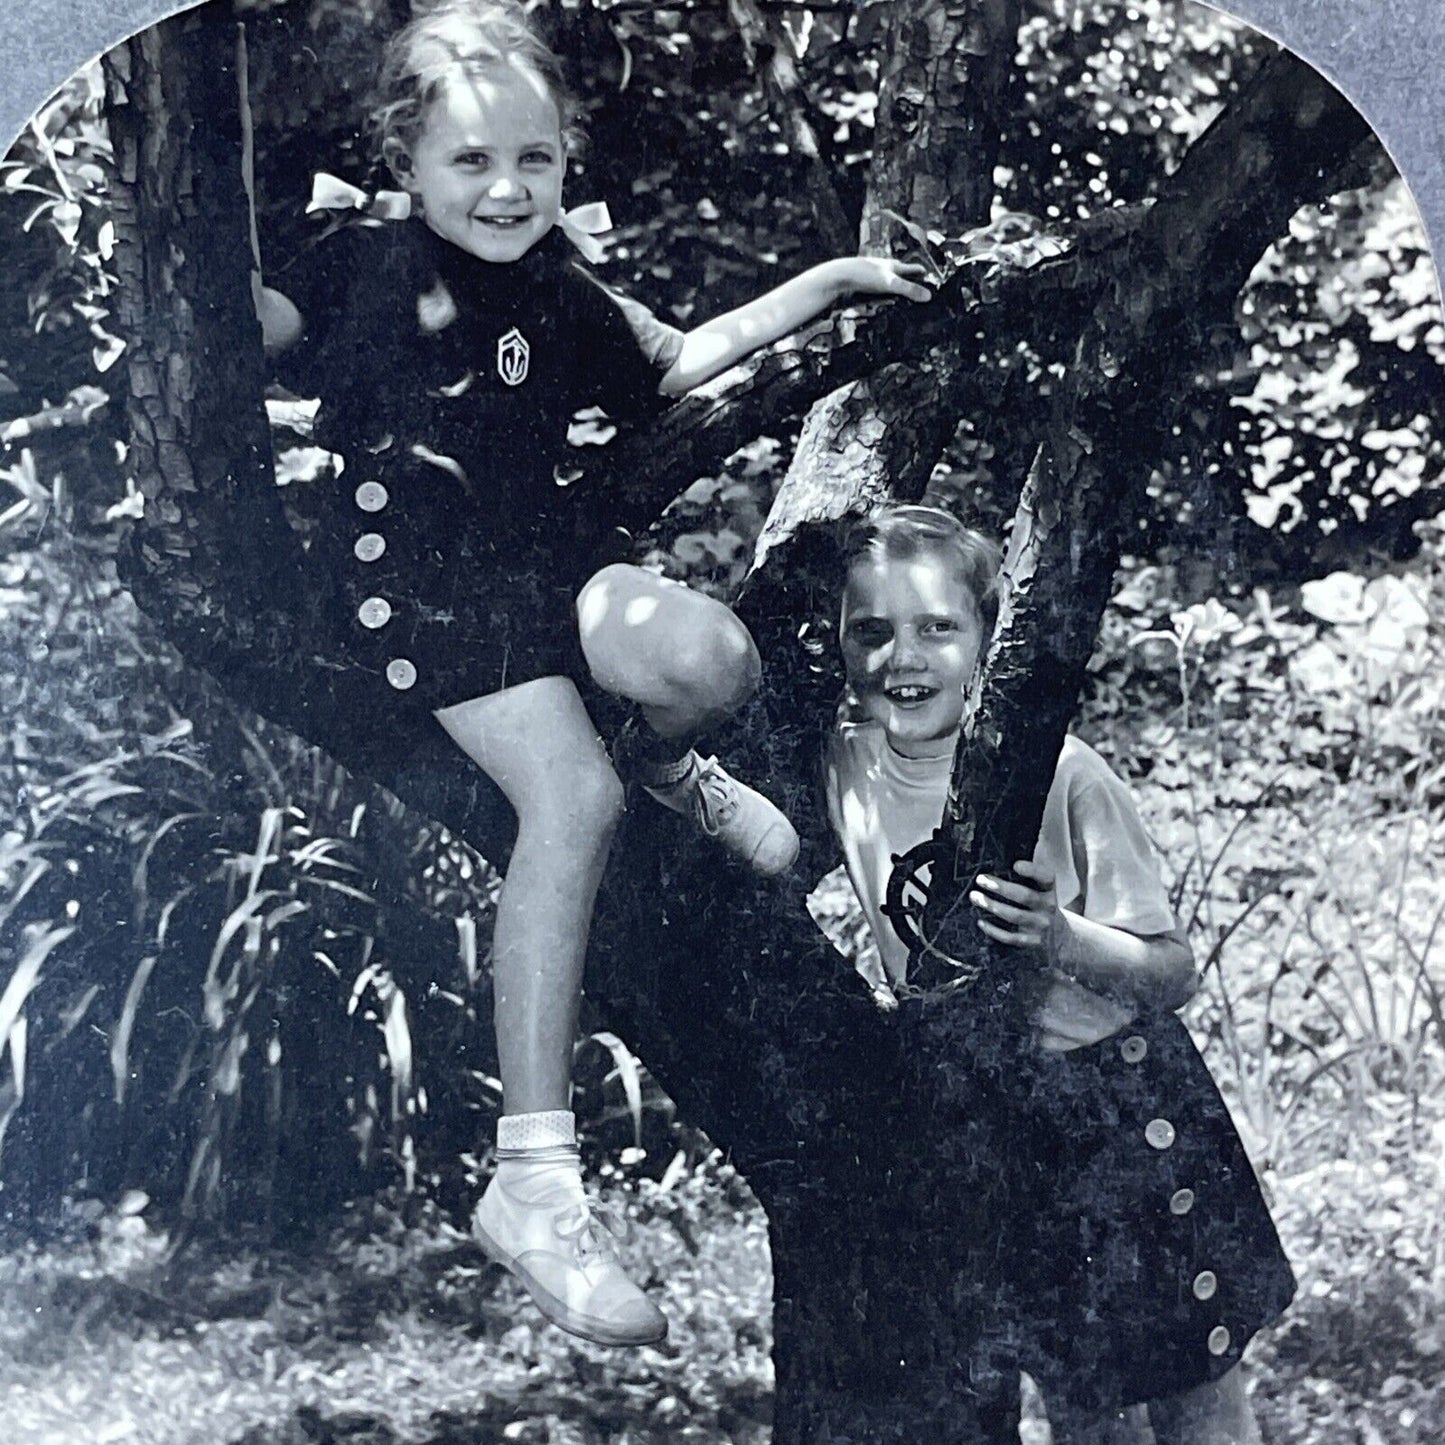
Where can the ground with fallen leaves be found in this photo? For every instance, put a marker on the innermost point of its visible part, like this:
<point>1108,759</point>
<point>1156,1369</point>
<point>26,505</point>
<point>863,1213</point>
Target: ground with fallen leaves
<point>389,1332</point>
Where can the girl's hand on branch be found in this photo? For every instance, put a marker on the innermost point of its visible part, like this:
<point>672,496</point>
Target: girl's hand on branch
<point>709,349</point>
<point>1025,915</point>
<point>878,276</point>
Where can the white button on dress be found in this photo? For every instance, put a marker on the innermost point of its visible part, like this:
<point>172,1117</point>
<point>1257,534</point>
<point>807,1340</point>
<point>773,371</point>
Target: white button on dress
<point>1181,1201</point>
<point>1206,1284</point>
<point>374,612</point>
<point>1133,1049</point>
<point>1218,1340</point>
<point>401,673</point>
<point>369,546</point>
<point>1159,1133</point>
<point>372,496</point>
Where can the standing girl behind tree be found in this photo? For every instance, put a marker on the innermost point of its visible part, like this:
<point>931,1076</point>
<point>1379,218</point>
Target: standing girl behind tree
<point>1131,1235</point>
<point>451,350</point>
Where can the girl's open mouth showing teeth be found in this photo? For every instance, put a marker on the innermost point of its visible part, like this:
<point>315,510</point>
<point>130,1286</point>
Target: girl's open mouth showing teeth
<point>909,693</point>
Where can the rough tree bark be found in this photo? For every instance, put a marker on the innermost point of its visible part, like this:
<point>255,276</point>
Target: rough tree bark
<point>213,559</point>
<point>1099,445</point>
<point>944,74</point>
<point>198,457</point>
<point>755,1026</point>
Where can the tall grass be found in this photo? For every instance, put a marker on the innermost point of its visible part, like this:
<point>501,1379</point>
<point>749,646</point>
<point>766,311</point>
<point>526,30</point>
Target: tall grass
<point>204,990</point>
<point>1295,783</point>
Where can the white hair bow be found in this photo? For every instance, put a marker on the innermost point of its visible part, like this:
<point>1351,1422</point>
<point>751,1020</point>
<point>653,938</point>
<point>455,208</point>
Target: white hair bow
<point>331,193</point>
<point>582,225</point>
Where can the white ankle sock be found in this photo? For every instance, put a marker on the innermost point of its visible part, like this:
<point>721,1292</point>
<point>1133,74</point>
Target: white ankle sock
<point>537,1156</point>
<point>549,1129</point>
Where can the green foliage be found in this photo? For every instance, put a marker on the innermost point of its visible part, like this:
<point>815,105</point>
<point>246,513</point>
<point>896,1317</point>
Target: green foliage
<point>54,215</point>
<point>57,348</point>
<point>1111,96</point>
<point>207,988</point>
<point>1289,754</point>
<point>1336,401</point>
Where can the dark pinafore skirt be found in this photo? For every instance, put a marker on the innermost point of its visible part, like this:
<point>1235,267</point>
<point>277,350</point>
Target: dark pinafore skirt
<point>1141,1257</point>
<point>435,598</point>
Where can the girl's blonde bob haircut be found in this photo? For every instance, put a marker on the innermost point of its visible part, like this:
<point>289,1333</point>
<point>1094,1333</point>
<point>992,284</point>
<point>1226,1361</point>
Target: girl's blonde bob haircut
<point>460,38</point>
<point>904,532</point>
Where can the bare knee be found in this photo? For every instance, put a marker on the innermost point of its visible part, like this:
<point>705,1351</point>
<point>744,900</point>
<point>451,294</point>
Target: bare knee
<point>715,665</point>
<point>582,804</point>
<point>663,645</point>
<point>613,579</point>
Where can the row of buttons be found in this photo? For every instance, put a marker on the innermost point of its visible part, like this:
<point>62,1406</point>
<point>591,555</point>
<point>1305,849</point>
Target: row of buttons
<point>1161,1134</point>
<point>375,612</point>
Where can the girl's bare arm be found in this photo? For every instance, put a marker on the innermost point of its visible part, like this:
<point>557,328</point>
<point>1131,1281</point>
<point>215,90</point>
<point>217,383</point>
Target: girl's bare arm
<point>710,349</point>
<point>282,324</point>
<point>1153,971</point>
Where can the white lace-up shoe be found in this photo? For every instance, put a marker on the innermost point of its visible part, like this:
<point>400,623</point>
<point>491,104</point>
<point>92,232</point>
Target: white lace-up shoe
<point>737,816</point>
<point>561,1249</point>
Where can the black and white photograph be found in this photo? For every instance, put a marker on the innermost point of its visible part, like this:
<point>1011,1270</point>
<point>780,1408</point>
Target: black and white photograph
<point>722,723</point>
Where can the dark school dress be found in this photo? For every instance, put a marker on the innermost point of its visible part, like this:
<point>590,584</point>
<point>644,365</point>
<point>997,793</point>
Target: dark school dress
<point>1146,1258</point>
<point>451,543</point>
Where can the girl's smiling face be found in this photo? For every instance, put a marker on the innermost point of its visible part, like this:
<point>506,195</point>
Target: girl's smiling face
<point>488,164</point>
<point>911,635</point>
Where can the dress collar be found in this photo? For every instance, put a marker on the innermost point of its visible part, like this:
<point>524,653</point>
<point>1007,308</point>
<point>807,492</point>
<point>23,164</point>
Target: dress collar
<point>492,283</point>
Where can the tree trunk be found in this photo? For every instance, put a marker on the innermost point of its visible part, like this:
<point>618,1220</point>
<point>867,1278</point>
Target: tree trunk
<point>1103,434</point>
<point>946,68</point>
<point>942,105</point>
<point>854,1128</point>
<point>213,544</point>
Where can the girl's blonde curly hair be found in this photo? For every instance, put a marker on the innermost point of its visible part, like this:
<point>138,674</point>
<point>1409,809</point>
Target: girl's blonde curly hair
<point>466,37</point>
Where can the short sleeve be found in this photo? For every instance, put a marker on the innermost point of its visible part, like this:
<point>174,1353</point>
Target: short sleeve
<point>625,351</point>
<point>1113,858</point>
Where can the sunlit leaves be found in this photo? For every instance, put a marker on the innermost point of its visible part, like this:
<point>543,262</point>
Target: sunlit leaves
<point>1337,398</point>
<point>1112,97</point>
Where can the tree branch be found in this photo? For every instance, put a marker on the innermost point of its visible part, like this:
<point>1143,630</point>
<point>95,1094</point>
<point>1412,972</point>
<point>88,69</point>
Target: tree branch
<point>998,302</point>
<point>1288,141</point>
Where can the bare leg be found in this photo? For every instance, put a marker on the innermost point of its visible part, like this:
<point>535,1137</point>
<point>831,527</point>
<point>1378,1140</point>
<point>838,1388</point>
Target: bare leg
<point>683,657</point>
<point>540,747</point>
<point>1215,1414</point>
<point>538,744</point>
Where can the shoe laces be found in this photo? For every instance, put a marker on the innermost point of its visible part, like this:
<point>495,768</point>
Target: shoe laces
<point>715,797</point>
<point>592,1229</point>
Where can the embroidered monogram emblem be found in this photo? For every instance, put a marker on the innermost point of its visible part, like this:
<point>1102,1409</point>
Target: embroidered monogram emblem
<point>514,356</point>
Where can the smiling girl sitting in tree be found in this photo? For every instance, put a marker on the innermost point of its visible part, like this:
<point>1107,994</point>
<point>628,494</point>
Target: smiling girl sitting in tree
<point>450,351</point>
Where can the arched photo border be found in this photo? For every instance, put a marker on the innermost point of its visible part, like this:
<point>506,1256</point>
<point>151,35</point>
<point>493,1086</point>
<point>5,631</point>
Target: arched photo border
<point>1387,56</point>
